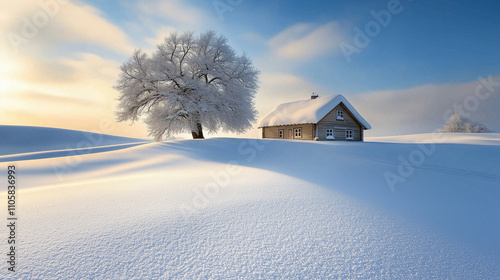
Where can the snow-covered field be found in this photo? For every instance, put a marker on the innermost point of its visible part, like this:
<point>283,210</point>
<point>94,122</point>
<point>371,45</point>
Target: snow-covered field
<point>115,208</point>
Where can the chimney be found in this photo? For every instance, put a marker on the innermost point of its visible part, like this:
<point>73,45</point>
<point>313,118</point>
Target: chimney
<point>314,95</point>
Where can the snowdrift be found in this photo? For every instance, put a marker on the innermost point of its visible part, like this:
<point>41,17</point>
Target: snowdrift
<point>247,208</point>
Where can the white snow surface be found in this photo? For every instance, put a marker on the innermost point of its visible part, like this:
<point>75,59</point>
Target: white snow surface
<point>256,209</point>
<point>308,111</point>
<point>462,138</point>
<point>28,139</point>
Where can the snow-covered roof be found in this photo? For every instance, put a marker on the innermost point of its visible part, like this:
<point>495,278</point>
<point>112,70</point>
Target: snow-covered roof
<point>309,111</point>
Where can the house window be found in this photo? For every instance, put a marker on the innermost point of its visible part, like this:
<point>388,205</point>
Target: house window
<point>297,133</point>
<point>340,115</point>
<point>281,133</point>
<point>348,134</point>
<point>329,133</point>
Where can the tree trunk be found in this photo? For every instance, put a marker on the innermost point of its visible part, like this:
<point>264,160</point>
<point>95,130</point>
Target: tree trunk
<point>198,134</point>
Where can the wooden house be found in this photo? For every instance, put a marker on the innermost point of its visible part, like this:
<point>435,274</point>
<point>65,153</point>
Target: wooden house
<point>325,118</point>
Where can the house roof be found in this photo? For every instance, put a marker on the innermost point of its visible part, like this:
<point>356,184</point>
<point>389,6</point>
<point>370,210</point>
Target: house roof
<point>309,111</point>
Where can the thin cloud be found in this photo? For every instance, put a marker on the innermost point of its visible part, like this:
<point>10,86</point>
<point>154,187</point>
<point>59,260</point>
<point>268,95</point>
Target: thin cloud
<point>83,23</point>
<point>277,88</point>
<point>160,35</point>
<point>306,41</point>
<point>424,109</point>
<point>35,23</point>
<point>41,98</point>
<point>173,10</point>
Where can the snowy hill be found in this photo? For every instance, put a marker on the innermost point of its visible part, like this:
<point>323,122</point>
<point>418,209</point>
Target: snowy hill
<point>229,208</point>
<point>26,139</point>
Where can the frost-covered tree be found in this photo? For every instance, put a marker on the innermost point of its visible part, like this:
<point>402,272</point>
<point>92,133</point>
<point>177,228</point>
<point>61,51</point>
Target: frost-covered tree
<point>458,124</point>
<point>189,84</point>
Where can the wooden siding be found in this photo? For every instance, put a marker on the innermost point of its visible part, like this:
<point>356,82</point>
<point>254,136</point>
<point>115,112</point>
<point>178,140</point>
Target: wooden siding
<point>340,126</point>
<point>328,122</point>
<point>308,131</point>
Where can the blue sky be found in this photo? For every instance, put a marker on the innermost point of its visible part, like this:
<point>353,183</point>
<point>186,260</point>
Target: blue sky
<point>427,42</point>
<point>427,57</point>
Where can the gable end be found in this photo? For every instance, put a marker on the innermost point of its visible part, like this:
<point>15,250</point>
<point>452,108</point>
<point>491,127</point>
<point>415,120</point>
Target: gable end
<point>332,115</point>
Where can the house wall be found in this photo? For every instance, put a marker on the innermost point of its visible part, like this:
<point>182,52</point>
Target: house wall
<point>308,131</point>
<point>340,126</point>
